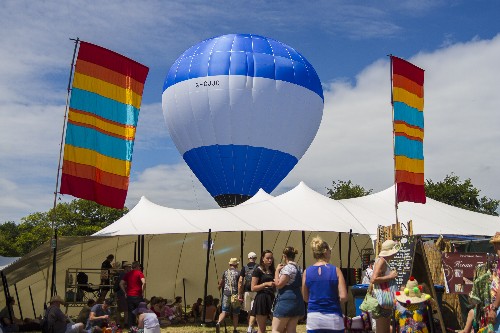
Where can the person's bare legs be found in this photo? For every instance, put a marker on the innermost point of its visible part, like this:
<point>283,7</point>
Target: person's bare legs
<point>279,324</point>
<point>251,322</point>
<point>291,327</point>
<point>261,323</point>
<point>383,325</point>
<point>235,321</point>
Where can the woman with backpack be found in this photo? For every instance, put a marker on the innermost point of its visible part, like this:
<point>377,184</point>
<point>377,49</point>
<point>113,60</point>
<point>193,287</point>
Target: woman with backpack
<point>289,308</point>
<point>263,284</point>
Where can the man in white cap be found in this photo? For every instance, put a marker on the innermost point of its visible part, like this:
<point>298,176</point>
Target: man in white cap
<point>245,289</point>
<point>229,285</point>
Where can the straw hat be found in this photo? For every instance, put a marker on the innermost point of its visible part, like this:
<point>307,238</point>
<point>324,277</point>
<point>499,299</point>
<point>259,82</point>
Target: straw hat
<point>412,294</point>
<point>496,238</point>
<point>57,298</point>
<point>234,261</point>
<point>389,247</point>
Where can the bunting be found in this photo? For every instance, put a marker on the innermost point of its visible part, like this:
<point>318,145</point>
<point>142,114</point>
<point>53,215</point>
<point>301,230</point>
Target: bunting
<point>408,125</point>
<point>103,112</point>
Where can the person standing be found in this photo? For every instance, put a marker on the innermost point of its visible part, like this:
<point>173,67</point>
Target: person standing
<point>106,267</point>
<point>384,276</point>
<point>494,312</point>
<point>289,306</point>
<point>121,299</point>
<point>57,322</point>
<point>245,289</point>
<point>324,289</point>
<point>133,285</point>
<point>229,284</point>
<point>263,284</point>
<point>368,272</point>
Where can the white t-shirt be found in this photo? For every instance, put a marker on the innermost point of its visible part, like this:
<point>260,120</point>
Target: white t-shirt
<point>367,275</point>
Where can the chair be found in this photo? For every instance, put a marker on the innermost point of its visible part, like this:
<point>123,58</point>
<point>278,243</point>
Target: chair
<point>84,288</point>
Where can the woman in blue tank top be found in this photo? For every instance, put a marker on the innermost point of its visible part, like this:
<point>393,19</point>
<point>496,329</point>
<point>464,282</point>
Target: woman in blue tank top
<point>323,287</point>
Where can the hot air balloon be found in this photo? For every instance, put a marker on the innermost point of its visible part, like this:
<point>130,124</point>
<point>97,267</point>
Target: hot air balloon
<point>242,110</point>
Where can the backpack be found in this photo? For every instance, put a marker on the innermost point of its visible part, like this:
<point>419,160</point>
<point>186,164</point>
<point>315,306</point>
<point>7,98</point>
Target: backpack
<point>82,278</point>
<point>248,277</point>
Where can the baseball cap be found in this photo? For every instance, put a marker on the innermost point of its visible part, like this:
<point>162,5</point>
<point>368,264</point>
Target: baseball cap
<point>252,255</point>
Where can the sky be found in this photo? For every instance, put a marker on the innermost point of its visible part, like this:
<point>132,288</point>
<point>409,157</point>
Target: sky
<point>456,42</point>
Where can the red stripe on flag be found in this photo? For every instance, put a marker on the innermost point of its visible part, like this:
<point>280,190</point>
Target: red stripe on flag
<point>410,192</point>
<point>408,70</point>
<point>112,60</point>
<point>90,190</point>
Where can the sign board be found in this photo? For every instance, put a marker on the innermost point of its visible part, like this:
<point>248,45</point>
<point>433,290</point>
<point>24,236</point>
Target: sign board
<point>403,260</point>
<point>459,270</point>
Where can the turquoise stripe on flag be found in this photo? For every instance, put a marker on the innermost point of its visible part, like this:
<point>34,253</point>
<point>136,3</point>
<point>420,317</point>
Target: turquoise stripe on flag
<point>88,138</point>
<point>408,114</point>
<point>104,107</point>
<point>409,148</point>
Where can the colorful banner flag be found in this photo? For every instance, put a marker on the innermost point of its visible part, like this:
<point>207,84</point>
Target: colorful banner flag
<point>103,112</point>
<point>408,106</point>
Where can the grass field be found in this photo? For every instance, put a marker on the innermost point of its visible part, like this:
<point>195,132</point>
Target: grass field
<point>198,329</point>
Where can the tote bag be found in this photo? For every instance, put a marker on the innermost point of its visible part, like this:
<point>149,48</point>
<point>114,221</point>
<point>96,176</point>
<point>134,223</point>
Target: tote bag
<point>384,293</point>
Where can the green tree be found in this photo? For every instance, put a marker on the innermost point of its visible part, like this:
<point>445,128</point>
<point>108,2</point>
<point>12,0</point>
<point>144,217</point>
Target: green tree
<point>460,194</point>
<point>77,218</point>
<point>345,190</point>
<point>8,232</point>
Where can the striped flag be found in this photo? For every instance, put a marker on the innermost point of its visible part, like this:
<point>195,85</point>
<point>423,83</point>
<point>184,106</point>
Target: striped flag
<point>408,106</point>
<point>103,112</point>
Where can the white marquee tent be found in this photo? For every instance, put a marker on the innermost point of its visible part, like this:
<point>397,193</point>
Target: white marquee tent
<point>304,209</point>
<point>175,256</point>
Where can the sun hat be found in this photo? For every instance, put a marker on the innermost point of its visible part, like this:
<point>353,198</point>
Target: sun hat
<point>412,294</point>
<point>496,238</point>
<point>142,308</point>
<point>389,247</point>
<point>233,261</point>
<point>126,264</point>
<point>252,255</point>
<point>56,298</point>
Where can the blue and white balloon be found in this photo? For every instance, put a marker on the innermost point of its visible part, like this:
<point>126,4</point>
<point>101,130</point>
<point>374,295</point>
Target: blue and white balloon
<point>242,110</point>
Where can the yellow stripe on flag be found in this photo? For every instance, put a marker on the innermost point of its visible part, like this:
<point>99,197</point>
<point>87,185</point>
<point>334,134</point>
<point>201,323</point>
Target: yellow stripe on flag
<point>93,158</point>
<point>410,165</point>
<point>414,132</point>
<point>103,88</point>
<point>401,95</point>
<point>123,131</point>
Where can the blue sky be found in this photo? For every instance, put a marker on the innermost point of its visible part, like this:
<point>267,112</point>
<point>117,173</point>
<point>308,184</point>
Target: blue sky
<point>456,42</point>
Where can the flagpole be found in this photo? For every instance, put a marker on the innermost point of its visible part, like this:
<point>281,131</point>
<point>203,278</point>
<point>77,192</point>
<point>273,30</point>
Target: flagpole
<point>393,142</point>
<point>53,290</point>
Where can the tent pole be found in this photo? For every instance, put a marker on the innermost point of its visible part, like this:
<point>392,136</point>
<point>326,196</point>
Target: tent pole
<point>303,249</point>
<point>142,251</point>
<point>135,251</point>
<point>348,267</point>
<point>7,295</point>
<point>241,246</point>
<point>53,289</point>
<point>184,296</point>
<point>261,241</point>
<point>32,302</point>
<point>340,249</point>
<point>206,275</point>
<point>18,303</point>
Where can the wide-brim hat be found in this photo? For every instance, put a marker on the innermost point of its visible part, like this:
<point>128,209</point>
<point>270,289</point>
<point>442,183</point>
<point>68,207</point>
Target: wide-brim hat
<point>496,238</point>
<point>57,298</point>
<point>142,308</point>
<point>412,294</point>
<point>234,261</point>
<point>389,247</point>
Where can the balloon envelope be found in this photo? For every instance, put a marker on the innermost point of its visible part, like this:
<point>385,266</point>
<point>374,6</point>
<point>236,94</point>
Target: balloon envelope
<point>242,110</point>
